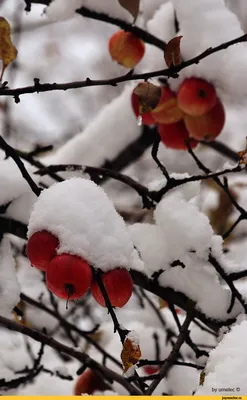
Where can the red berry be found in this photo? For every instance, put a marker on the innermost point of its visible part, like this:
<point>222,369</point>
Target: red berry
<point>41,248</point>
<point>88,382</point>
<point>196,96</point>
<point>151,369</point>
<point>208,126</point>
<point>68,276</point>
<point>126,48</point>
<point>174,136</point>
<point>118,284</point>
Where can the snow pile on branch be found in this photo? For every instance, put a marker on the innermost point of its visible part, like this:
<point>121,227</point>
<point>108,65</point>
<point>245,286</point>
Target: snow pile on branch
<point>15,190</point>
<point>238,7</point>
<point>9,285</point>
<point>63,9</point>
<point>86,223</point>
<point>12,183</point>
<point>213,25</point>
<point>112,130</point>
<point>179,244</point>
<point>226,367</point>
<point>162,26</point>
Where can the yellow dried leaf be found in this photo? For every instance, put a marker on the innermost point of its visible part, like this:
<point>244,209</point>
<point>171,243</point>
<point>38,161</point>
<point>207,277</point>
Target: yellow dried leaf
<point>202,378</point>
<point>162,303</point>
<point>132,6</point>
<point>172,52</point>
<point>8,51</point>
<point>243,155</point>
<point>148,96</point>
<point>130,354</point>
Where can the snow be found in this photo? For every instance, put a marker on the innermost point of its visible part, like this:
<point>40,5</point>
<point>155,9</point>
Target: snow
<point>174,215</point>
<point>208,30</point>
<point>80,214</point>
<point>188,190</point>
<point>62,9</point>
<point>92,126</point>
<point>114,128</point>
<point>172,239</point>
<point>134,338</point>
<point>225,370</point>
<point>238,7</point>
<point>161,25</point>
<point>9,285</point>
<point>12,183</point>
<point>187,378</point>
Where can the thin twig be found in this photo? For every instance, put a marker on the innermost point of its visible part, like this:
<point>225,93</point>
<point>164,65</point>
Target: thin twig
<point>62,348</point>
<point>10,152</point>
<point>173,354</point>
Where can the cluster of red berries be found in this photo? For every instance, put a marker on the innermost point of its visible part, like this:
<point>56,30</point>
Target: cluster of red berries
<point>68,276</point>
<point>195,112</point>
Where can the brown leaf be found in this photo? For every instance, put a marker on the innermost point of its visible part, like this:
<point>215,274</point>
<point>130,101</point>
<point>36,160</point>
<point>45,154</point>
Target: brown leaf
<point>130,354</point>
<point>220,216</point>
<point>162,303</point>
<point>148,96</point>
<point>202,377</point>
<point>172,52</point>
<point>7,50</point>
<point>132,6</point>
<point>243,155</point>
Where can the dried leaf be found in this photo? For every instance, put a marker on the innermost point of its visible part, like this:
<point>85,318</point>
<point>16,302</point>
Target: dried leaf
<point>132,6</point>
<point>162,304</point>
<point>202,377</point>
<point>96,336</point>
<point>220,216</point>
<point>172,52</point>
<point>148,96</point>
<point>130,354</point>
<point>243,155</point>
<point>8,51</point>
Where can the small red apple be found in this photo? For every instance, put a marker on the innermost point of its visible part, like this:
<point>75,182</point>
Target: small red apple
<point>151,369</point>
<point>126,48</point>
<point>41,248</point>
<point>118,284</point>
<point>196,96</point>
<point>175,135</point>
<point>147,118</point>
<point>68,276</point>
<point>88,382</point>
<point>208,126</point>
<point>167,111</point>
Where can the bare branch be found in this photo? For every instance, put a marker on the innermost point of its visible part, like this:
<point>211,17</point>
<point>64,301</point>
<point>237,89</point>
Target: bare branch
<point>78,355</point>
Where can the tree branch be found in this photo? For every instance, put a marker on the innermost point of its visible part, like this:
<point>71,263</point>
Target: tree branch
<point>173,71</point>
<point>173,354</point>
<point>10,152</point>
<point>61,348</point>
<point>100,16</point>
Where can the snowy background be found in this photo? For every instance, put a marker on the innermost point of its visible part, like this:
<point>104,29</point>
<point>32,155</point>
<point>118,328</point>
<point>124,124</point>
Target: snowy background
<point>91,126</point>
